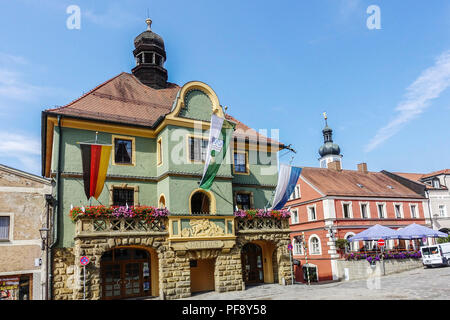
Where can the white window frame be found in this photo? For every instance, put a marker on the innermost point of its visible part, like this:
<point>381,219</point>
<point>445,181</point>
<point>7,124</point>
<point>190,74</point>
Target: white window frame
<point>444,211</point>
<point>350,208</point>
<point>297,193</point>
<point>434,182</point>
<point>384,210</point>
<point>294,221</point>
<point>11,224</point>
<point>297,248</point>
<point>311,237</point>
<point>416,209</point>
<point>401,210</point>
<point>309,212</point>
<point>367,209</point>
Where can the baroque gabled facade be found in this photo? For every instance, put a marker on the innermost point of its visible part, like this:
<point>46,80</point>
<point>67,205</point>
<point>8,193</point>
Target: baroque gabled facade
<point>159,133</point>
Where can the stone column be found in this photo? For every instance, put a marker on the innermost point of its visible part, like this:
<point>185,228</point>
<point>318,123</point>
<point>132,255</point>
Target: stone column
<point>63,273</point>
<point>174,274</point>
<point>228,271</point>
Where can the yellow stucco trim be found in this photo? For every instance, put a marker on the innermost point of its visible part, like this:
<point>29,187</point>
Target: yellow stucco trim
<point>197,85</point>
<point>133,150</point>
<point>123,186</point>
<point>170,119</point>
<point>162,196</point>
<point>247,167</point>
<point>212,200</point>
<point>159,152</point>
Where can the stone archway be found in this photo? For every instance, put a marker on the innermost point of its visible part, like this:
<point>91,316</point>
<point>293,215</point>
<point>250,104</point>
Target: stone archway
<point>96,247</point>
<point>128,272</point>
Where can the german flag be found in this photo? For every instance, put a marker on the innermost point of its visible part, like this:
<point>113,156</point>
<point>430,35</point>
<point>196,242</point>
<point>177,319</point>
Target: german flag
<point>95,158</point>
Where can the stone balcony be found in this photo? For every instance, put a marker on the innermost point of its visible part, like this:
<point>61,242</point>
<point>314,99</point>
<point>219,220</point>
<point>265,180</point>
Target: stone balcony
<point>106,227</point>
<point>261,225</point>
<point>180,228</point>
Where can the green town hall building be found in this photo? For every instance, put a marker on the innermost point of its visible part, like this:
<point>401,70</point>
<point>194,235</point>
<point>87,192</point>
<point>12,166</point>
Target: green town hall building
<point>159,136</point>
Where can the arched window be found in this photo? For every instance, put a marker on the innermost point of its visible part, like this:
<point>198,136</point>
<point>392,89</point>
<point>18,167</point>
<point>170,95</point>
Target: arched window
<point>200,203</point>
<point>352,245</point>
<point>314,245</point>
<point>162,202</point>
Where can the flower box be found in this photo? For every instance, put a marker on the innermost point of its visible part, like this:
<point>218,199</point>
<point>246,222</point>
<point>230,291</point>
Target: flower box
<point>261,213</point>
<point>146,213</point>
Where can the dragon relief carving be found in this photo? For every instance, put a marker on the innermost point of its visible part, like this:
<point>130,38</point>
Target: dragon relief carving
<point>202,228</point>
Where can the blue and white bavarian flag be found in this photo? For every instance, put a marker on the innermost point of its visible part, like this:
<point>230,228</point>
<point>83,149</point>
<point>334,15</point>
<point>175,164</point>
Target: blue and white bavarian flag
<point>287,180</point>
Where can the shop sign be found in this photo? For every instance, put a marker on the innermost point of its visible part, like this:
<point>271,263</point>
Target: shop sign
<point>9,283</point>
<point>204,245</point>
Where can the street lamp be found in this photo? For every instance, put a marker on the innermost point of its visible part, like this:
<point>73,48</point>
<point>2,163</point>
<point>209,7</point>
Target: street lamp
<point>44,235</point>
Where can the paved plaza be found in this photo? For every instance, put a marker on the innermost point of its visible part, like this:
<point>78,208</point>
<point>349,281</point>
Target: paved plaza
<point>418,283</point>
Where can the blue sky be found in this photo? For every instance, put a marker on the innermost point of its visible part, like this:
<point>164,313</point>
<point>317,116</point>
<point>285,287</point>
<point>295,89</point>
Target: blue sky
<point>274,64</point>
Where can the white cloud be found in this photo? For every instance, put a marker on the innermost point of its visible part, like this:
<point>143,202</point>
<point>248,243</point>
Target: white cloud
<point>9,58</point>
<point>429,85</point>
<point>12,83</point>
<point>24,149</point>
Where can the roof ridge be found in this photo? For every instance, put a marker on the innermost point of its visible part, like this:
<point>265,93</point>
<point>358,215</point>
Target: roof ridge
<point>88,93</point>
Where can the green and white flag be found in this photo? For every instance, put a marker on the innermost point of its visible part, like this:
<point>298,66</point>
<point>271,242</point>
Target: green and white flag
<point>219,138</point>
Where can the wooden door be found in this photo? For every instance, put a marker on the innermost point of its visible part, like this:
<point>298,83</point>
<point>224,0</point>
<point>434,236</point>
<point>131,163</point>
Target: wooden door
<point>252,263</point>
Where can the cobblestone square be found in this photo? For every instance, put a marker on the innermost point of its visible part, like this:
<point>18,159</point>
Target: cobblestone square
<point>421,283</point>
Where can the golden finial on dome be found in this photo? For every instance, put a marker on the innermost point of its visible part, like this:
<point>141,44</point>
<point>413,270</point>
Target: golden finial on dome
<point>325,117</point>
<point>148,21</point>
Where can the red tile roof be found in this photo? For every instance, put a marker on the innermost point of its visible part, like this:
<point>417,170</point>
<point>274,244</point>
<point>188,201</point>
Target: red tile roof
<point>345,183</point>
<point>417,177</point>
<point>124,99</point>
<point>436,173</point>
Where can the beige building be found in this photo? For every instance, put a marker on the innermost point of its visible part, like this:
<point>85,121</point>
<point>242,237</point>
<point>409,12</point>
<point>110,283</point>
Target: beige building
<point>435,187</point>
<point>22,256</point>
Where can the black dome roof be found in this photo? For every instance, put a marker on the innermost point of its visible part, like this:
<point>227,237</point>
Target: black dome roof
<point>329,148</point>
<point>148,37</point>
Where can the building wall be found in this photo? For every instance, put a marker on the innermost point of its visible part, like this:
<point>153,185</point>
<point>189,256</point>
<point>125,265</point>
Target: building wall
<point>437,198</point>
<point>23,200</point>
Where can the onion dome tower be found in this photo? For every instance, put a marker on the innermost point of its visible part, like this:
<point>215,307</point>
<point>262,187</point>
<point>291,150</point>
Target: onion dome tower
<point>150,56</point>
<point>329,151</point>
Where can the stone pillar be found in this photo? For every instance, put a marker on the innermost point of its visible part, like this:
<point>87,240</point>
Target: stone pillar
<point>228,271</point>
<point>284,263</point>
<point>174,274</point>
<point>93,249</point>
<point>63,273</point>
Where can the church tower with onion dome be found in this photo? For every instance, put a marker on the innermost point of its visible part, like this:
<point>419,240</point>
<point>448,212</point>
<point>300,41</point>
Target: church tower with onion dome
<point>329,151</point>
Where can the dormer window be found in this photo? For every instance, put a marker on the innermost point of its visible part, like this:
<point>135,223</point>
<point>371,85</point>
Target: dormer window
<point>436,183</point>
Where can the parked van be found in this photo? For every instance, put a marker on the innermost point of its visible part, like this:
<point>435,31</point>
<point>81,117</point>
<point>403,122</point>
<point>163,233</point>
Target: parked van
<point>436,255</point>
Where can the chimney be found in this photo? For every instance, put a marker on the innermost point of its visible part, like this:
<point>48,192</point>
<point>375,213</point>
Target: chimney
<point>362,167</point>
<point>335,165</point>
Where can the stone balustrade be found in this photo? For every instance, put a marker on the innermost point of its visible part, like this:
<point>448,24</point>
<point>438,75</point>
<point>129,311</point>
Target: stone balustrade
<point>90,227</point>
<point>256,225</point>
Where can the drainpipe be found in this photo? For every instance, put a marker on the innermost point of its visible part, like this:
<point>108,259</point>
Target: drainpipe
<point>429,209</point>
<point>57,206</point>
